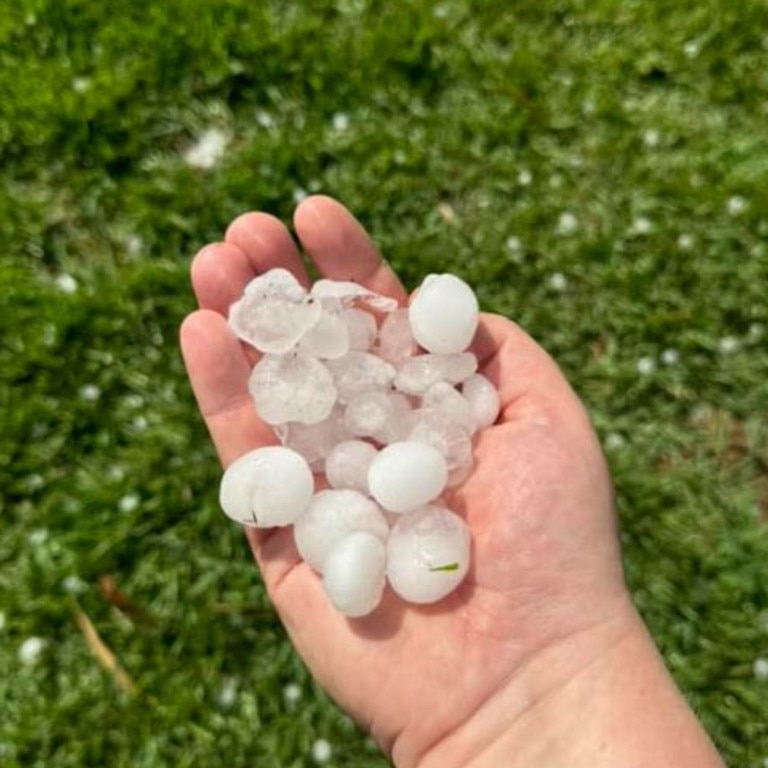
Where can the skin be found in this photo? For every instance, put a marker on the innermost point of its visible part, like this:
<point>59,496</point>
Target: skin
<point>539,658</point>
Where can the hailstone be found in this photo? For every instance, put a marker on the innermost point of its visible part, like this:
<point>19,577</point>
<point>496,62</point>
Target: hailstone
<point>346,466</point>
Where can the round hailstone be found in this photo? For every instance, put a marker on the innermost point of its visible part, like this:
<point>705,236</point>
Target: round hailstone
<point>417,374</point>
<point>395,338</point>
<point>444,314</point>
<point>314,441</point>
<point>406,475</point>
<point>354,574</point>
<point>483,400</point>
<point>359,372</point>
<point>448,437</point>
<point>292,387</point>
<point>368,414</point>
<point>427,554</point>
<point>346,466</point>
<point>274,312</point>
<point>328,339</point>
<point>456,409</point>
<point>332,516</point>
<point>361,327</point>
<point>267,487</point>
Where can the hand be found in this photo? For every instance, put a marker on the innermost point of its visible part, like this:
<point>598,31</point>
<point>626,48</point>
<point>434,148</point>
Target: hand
<point>545,596</point>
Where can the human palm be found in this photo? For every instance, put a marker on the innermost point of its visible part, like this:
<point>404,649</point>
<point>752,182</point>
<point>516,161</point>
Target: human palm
<point>545,563</point>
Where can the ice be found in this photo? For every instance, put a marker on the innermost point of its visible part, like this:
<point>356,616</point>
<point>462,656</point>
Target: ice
<point>346,466</point>
<point>449,438</point>
<point>274,312</point>
<point>383,416</point>
<point>328,339</point>
<point>396,341</point>
<point>483,400</point>
<point>352,293</point>
<point>427,554</point>
<point>444,314</point>
<point>442,397</point>
<point>332,515</point>
<point>267,487</point>
<point>407,475</point>
<point>361,327</point>
<point>359,372</point>
<point>354,574</point>
<point>314,441</point>
<point>292,387</point>
<point>399,422</point>
<point>417,374</point>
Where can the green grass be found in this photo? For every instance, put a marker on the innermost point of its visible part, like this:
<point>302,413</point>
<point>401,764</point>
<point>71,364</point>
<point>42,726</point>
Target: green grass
<point>471,131</point>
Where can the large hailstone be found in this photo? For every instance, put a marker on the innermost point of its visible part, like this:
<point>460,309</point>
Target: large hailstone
<point>359,372</point>
<point>406,475</point>
<point>331,516</point>
<point>427,554</point>
<point>354,574</point>
<point>314,441</point>
<point>416,374</point>
<point>346,466</point>
<point>483,399</point>
<point>267,487</point>
<point>444,314</point>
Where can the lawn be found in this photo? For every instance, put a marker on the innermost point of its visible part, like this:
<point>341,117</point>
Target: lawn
<point>597,170</point>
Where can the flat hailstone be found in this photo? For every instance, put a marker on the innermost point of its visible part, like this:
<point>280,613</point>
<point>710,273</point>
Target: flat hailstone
<point>427,554</point>
<point>292,387</point>
<point>483,400</point>
<point>328,338</point>
<point>267,487</point>
<point>406,475</point>
<point>383,416</point>
<point>361,327</point>
<point>450,438</point>
<point>352,293</point>
<point>332,516</point>
<point>396,341</point>
<point>417,374</point>
<point>274,312</point>
<point>346,466</point>
<point>444,314</point>
<point>354,574</point>
<point>359,372</point>
<point>314,441</point>
<point>451,403</point>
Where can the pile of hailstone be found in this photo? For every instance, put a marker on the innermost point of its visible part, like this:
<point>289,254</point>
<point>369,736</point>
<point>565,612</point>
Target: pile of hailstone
<point>384,401</point>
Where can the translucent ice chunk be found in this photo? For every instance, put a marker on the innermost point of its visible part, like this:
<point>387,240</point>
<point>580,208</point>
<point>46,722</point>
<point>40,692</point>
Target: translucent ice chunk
<point>292,387</point>
<point>354,574</point>
<point>267,487</point>
<point>352,293</point>
<point>359,372</point>
<point>367,413</point>
<point>314,441</point>
<point>332,516</point>
<point>427,554</point>
<point>444,314</point>
<point>396,341</point>
<point>442,397</point>
<point>361,327</point>
<point>417,374</point>
<point>483,399</point>
<point>346,466</point>
<point>449,438</point>
<point>399,421</point>
<point>274,312</point>
<point>407,475</point>
<point>328,339</point>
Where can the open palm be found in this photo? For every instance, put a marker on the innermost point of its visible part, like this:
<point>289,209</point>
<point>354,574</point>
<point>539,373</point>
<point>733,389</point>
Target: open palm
<point>545,561</point>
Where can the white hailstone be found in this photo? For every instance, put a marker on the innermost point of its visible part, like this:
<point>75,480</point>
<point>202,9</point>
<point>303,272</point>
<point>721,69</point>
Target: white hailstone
<point>90,392</point>
<point>340,122</point>
<point>38,537</point>
<point>399,422</point>
<point>756,330</point>
<point>321,751</point>
<point>354,574</point>
<point>361,327</point>
<point>736,205</point>
<point>346,466</point>
<point>396,341</point>
<point>558,282</point>
<point>670,357</point>
<point>352,293</point>
<point>274,312</point>
<point>314,441</point>
<point>30,650</point>
<point>418,373</point>
<point>332,516</point>
<point>444,314</point>
<point>651,138</point>
<point>427,554</point>
<point>483,399</point>
<point>514,244</point>
<point>685,242</point>
<point>728,345</point>
<point>292,387</point>
<point>455,408</point>
<point>567,224</point>
<point>453,441</point>
<point>66,283</point>
<point>207,150</point>
<point>367,413</point>
<point>267,487</point>
<point>328,339</point>
<point>359,372</point>
<point>292,694</point>
<point>407,475</point>
<point>524,177</point>
<point>81,85</point>
<point>74,585</point>
<point>227,695</point>
<point>641,226</point>
<point>614,441</point>
<point>691,49</point>
<point>128,503</point>
<point>760,668</point>
<point>299,194</point>
<point>646,366</point>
